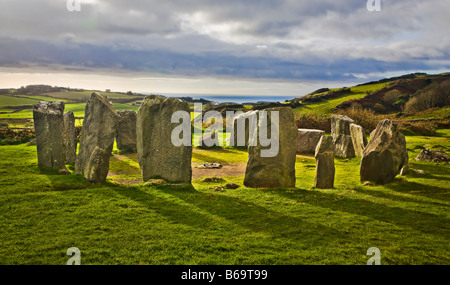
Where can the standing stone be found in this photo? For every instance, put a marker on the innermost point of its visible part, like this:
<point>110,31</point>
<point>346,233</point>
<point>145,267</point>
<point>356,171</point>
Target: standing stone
<point>97,138</point>
<point>158,157</point>
<point>279,170</point>
<point>70,137</point>
<point>49,126</point>
<point>385,155</point>
<point>126,131</point>
<point>308,139</point>
<point>325,170</point>
<point>340,131</point>
<point>245,120</point>
<point>359,139</point>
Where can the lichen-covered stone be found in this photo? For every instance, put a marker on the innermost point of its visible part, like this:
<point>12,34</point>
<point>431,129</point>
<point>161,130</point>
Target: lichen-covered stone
<point>97,138</point>
<point>126,131</point>
<point>158,156</point>
<point>278,170</point>
<point>70,137</point>
<point>359,139</point>
<point>340,131</point>
<point>49,128</point>
<point>325,170</point>
<point>385,156</point>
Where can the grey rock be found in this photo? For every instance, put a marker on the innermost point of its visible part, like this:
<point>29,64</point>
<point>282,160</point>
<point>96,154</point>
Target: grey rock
<point>158,157</point>
<point>308,139</point>
<point>49,126</point>
<point>126,130</point>
<point>340,131</point>
<point>213,179</point>
<point>278,170</point>
<point>325,170</point>
<point>70,137</point>
<point>385,156</point>
<point>359,139</point>
<point>433,156</point>
<point>232,186</point>
<point>97,138</point>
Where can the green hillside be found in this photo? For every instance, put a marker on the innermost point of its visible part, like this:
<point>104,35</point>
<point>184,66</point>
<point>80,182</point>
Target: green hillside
<point>126,221</point>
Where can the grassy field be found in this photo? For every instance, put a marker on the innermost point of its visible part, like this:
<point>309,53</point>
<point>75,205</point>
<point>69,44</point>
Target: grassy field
<point>124,221</point>
<point>325,107</point>
<point>71,99</point>
<point>43,214</point>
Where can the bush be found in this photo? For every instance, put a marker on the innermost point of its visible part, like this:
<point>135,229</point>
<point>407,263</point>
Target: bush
<point>9,136</point>
<point>310,121</point>
<point>366,118</point>
<point>437,95</point>
<point>379,108</point>
<point>391,97</point>
<point>423,128</point>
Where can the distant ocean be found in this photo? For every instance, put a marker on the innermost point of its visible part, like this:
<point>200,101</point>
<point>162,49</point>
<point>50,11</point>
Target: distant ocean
<point>234,98</point>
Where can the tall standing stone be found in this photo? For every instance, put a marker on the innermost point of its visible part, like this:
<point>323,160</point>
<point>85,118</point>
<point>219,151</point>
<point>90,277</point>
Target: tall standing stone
<point>49,126</point>
<point>158,156</point>
<point>385,155</point>
<point>340,131</point>
<point>325,170</point>
<point>126,130</point>
<point>359,139</point>
<point>70,137</point>
<point>278,170</point>
<point>97,138</point>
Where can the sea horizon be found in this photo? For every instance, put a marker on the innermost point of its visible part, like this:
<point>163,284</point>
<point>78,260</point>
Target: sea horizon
<point>225,98</point>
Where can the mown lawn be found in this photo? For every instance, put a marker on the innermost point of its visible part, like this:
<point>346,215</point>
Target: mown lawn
<point>43,214</point>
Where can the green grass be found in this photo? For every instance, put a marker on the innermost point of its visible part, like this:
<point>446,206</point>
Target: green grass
<point>76,108</point>
<point>68,97</point>
<point>437,113</point>
<point>326,106</point>
<point>85,95</point>
<point>43,214</point>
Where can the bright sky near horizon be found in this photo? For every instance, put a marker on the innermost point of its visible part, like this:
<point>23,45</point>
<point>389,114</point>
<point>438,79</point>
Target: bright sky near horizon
<point>266,47</point>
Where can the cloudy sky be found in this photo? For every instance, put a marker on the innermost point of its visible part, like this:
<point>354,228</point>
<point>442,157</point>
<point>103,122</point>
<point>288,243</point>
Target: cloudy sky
<point>267,47</point>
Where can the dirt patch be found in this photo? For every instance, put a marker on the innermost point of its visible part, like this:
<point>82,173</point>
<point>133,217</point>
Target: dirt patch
<point>227,169</point>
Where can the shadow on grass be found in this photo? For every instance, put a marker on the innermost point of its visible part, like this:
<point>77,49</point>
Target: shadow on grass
<point>386,195</point>
<point>415,188</point>
<point>59,182</point>
<point>200,210</point>
<point>420,221</point>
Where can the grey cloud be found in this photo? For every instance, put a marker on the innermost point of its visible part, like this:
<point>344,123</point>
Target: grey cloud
<point>269,38</point>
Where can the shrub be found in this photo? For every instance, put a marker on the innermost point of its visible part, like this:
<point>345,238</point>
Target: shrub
<point>424,128</point>
<point>391,96</point>
<point>9,136</point>
<point>366,118</point>
<point>311,121</point>
<point>379,108</point>
<point>437,95</point>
